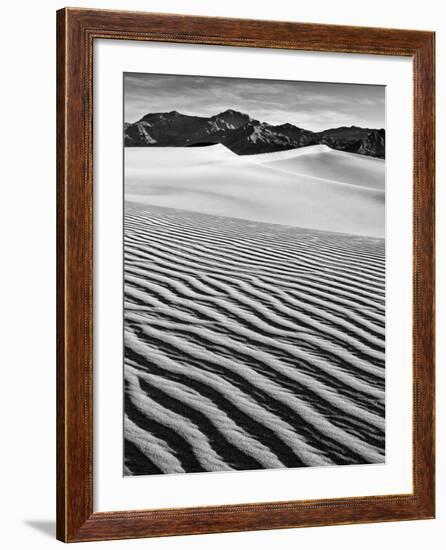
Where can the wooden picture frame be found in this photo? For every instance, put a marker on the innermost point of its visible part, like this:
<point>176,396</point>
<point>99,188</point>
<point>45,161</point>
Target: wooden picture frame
<point>76,31</point>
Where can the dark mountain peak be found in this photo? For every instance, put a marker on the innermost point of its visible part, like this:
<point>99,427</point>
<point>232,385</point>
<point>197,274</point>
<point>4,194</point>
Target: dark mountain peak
<point>286,126</point>
<point>152,116</point>
<point>231,114</point>
<point>372,145</point>
<point>228,120</point>
<point>168,116</point>
<point>244,135</point>
<point>345,128</point>
<point>290,129</point>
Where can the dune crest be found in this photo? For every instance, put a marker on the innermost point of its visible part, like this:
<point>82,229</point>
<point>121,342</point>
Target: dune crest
<point>314,187</point>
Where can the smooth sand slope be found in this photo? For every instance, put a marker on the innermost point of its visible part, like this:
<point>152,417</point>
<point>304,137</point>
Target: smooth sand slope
<point>322,162</point>
<point>250,345</point>
<point>313,187</point>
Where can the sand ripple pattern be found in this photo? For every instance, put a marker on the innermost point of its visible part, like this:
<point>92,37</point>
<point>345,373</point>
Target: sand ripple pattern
<point>250,345</point>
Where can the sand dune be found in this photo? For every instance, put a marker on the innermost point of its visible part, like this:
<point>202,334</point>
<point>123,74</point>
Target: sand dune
<point>250,345</point>
<point>322,162</point>
<point>312,187</point>
<point>254,327</point>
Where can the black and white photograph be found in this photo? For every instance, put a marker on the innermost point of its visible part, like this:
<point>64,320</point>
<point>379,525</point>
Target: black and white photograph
<point>254,274</point>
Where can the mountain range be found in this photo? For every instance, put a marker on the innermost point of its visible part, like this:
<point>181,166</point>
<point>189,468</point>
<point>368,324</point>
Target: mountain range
<point>244,135</point>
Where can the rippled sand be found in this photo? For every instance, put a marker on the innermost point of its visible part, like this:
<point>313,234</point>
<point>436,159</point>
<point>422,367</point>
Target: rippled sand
<point>250,345</point>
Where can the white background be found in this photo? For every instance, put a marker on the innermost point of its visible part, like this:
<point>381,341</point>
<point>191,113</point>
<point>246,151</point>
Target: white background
<point>28,274</point>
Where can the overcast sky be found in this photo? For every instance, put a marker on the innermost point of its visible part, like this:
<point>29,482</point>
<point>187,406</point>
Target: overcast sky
<point>311,105</point>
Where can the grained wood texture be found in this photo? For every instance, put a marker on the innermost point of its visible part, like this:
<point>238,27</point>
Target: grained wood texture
<point>76,31</point>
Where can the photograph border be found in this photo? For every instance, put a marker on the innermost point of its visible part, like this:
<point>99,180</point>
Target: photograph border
<point>76,31</point>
